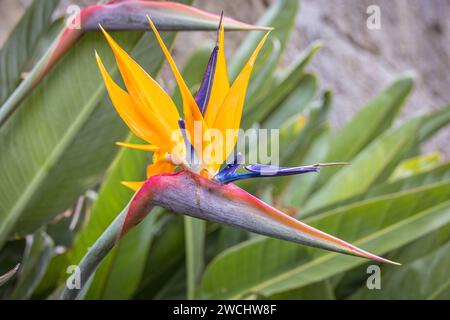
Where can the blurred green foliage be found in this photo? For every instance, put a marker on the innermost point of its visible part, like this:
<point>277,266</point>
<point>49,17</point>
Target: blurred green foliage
<point>391,200</point>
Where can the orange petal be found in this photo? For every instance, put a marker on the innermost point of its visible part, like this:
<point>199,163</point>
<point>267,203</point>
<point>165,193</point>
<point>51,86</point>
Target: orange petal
<point>159,167</point>
<point>190,109</point>
<point>221,84</point>
<point>135,186</point>
<point>230,113</point>
<point>143,147</point>
<point>127,109</point>
<point>157,106</point>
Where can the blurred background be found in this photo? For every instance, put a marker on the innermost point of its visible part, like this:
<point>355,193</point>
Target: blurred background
<point>60,170</point>
<point>356,62</point>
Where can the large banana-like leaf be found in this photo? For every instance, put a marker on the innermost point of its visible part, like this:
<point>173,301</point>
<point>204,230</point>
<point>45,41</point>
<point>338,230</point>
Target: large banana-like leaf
<point>62,139</point>
<point>347,284</point>
<point>268,266</point>
<point>367,124</point>
<point>424,278</point>
<point>367,167</point>
<point>18,50</point>
<point>377,162</point>
<point>435,175</point>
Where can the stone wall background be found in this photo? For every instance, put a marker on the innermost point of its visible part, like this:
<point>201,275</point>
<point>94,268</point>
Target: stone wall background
<point>356,62</point>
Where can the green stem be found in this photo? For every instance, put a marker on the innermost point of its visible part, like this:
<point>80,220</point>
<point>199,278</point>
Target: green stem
<point>96,254</point>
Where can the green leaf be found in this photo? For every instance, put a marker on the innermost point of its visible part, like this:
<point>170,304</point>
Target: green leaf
<point>281,16</point>
<point>367,167</point>
<point>415,165</point>
<point>288,86</point>
<point>119,274</point>
<point>295,142</point>
<point>300,186</point>
<point>294,103</point>
<point>296,146</point>
<point>46,167</point>
<point>165,257</point>
<point>263,78</point>
<point>355,279</point>
<point>367,125</point>
<point>316,291</point>
<point>21,44</point>
<point>435,121</point>
<point>270,266</point>
<point>435,175</point>
<point>424,278</point>
<point>38,253</point>
<point>195,242</point>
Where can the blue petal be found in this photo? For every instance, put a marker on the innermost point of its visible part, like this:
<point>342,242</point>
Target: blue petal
<point>228,174</point>
<point>191,154</point>
<point>204,93</point>
<point>270,171</point>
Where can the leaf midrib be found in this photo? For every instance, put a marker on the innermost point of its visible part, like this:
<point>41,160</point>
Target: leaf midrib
<point>52,160</point>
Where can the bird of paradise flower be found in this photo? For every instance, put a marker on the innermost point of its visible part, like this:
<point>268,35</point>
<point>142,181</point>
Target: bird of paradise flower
<point>180,179</point>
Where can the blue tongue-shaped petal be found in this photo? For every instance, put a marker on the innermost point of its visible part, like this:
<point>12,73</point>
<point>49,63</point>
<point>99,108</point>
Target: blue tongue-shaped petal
<point>270,171</point>
<point>228,174</point>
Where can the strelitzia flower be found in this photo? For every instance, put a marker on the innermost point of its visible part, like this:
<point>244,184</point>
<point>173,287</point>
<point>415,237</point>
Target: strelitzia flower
<point>185,175</point>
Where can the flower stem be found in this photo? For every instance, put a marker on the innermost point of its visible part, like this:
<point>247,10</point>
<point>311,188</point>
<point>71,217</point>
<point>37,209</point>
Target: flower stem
<point>96,254</point>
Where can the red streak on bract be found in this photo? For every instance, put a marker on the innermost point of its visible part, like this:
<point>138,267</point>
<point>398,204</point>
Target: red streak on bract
<point>234,192</point>
<point>142,202</point>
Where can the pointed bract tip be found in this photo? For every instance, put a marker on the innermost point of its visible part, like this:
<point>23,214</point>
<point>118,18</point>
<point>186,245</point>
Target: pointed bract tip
<point>331,164</point>
<point>383,260</point>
